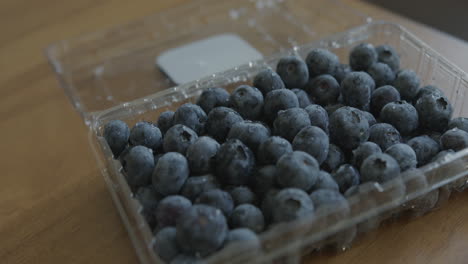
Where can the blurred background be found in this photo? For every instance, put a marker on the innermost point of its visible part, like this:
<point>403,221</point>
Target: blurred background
<point>449,16</point>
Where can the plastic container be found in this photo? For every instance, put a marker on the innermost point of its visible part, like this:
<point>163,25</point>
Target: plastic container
<point>111,75</point>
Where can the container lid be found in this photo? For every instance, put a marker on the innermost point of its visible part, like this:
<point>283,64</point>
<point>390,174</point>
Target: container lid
<point>107,68</point>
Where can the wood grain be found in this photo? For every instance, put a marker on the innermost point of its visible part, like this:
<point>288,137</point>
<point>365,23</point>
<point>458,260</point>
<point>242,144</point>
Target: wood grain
<point>54,206</point>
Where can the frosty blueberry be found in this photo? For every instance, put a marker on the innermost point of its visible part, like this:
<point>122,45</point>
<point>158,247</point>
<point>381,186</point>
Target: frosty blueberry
<point>220,120</point>
<point>267,80</point>
<point>170,173</point>
<point>388,55</point>
<point>293,71</point>
<point>346,176</point>
<point>139,165</point>
<point>363,151</point>
<point>382,96</point>
<point>323,89</point>
<point>242,195</point>
<point>407,83</point>
<point>247,101</point>
<point>434,112</point>
<point>381,73</point>
<point>116,133</point>
<point>213,97</point>
<point>165,121</point>
<point>218,199</point>
<point>272,149</point>
<point>424,147</point>
<point>247,216</point>
<point>334,158</point>
<point>379,168</point>
<point>321,61</point>
<point>455,139</point>
<point>234,163</point>
<point>460,123</point>
<point>146,134</point>
<point>192,116</point>
<point>404,155</point>
<point>250,133</point>
<point>402,115</point>
<point>289,122</point>
<point>325,181</point>
<point>356,89</point>
<point>196,185</point>
<point>348,128</point>
<point>313,141</point>
<point>170,209</point>
<point>279,100</point>
<point>178,138</point>
<point>201,155</point>
<point>384,135</point>
<point>297,169</point>
<point>291,204</point>
<point>166,244</point>
<point>302,97</point>
<point>318,116</point>
<point>362,57</point>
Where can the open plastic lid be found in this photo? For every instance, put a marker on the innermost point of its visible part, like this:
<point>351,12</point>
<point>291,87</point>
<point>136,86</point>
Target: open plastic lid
<point>111,67</point>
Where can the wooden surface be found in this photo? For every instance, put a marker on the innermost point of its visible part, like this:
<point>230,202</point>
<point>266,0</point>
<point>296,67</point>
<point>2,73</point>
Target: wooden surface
<point>54,206</point>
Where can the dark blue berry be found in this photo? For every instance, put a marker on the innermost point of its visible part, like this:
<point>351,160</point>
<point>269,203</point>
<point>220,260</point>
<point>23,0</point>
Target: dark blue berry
<point>250,133</point>
<point>170,173</point>
<point>213,97</point>
<point>272,149</point>
<point>346,176</point>
<point>218,199</point>
<point>313,141</point>
<point>293,71</point>
<point>348,128</point>
<point>407,83</point>
<point>363,151</point>
<point>382,96</point>
<point>388,55</point>
<point>370,118</point>
<point>201,155</point>
<point>424,147</point>
<point>356,89</point>
<point>460,123</point>
<point>264,179</point>
<point>220,120</point>
<point>318,116</point>
<point>428,90</point>
<point>434,112</point>
<point>442,155</point>
<point>321,61</point>
<point>247,101</point>
<point>404,155</point>
<point>341,71</point>
<point>243,195</point>
<point>291,204</point>
<point>192,116</point>
<point>325,181</point>
<point>334,158</point>
<point>170,209</point>
<point>455,139</point>
<point>146,134</point>
<point>139,165</point>
<point>166,244</point>
<point>269,204</point>
<point>402,115</point>
<point>379,168</point>
<point>362,57</point>
<point>242,235</point>
<point>297,169</point>
<point>323,89</point>
<point>289,122</point>
<point>178,138</point>
<point>279,100</point>
<point>196,185</point>
<point>201,230</point>
<point>234,163</point>
<point>384,135</point>
<point>247,216</point>
<point>302,97</point>
<point>116,133</point>
<point>268,80</point>
<point>381,73</point>
<point>149,199</point>
<point>165,121</point>
<point>326,200</point>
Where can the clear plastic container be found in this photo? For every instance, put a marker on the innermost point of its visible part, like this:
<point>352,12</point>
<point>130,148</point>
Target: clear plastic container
<point>111,75</point>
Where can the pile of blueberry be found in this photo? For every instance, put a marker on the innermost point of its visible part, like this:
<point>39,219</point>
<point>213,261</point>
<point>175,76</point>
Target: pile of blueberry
<point>298,141</point>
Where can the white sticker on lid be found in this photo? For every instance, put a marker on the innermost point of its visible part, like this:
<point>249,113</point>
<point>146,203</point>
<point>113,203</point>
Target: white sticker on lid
<point>205,57</point>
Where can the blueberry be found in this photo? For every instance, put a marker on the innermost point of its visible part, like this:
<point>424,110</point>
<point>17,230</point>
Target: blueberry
<point>234,163</point>
<point>267,80</point>
<point>146,134</point>
<point>217,199</point>
<point>201,155</point>
<point>250,133</point>
<point>201,230</point>
<point>318,116</point>
<point>333,107</point>
<point>388,55</point>
<point>442,155</point>
<point>192,116</point>
<point>334,158</point>
<point>139,165</point>
<point>244,235</point>
<point>269,204</point>
<point>404,155</point>
<point>289,122</point>
<point>428,90</point>
<point>196,185</point>
<point>178,138</point>
<point>116,133</point>
<point>170,173</point>
<point>379,168</point>
<point>424,147</point>
<point>455,139</point>
<point>220,120</point>
<point>402,115</point>
<point>460,123</point>
<point>213,97</point>
<point>362,57</point>
<point>346,176</point>
<point>325,181</point>
<point>293,71</point>
<point>313,141</point>
<point>291,204</point>
<point>166,244</point>
<point>242,195</point>
<point>297,169</point>
<point>382,96</point>
<point>356,89</point>
<point>407,83</point>
<point>165,121</point>
<point>321,61</point>
<point>247,101</point>
<point>302,97</point>
<point>279,100</point>
<point>434,112</point>
<point>272,149</point>
<point>170,210</point>
<point>148,198</point>
<point>348,128</point>
<point>328,201</point>
<point>248,216</point>
<point>265,179</point>
<point>381,73</point>
<point>363,151</point>
<point>186,259</point>
<point>323,89</point>
<point>370,118</point>
<point>341,71</point>
<point>424,203</point>
<point>384,135</point>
